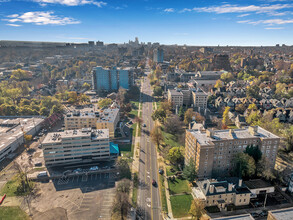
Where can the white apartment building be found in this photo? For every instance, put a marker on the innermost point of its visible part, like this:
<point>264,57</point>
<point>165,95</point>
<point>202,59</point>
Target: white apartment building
<point>199,98</point>
<point>93,118</point>
<point>76,146</point>
<point>175,97</point>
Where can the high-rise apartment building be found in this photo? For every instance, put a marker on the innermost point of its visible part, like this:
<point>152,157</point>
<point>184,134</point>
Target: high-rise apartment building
<point>111,79</point>
<point>76,146</point>
<point>159,55</point>
<point>213,150</point>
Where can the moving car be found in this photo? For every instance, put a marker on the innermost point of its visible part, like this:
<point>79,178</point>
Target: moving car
<point>144,125</point>
<point>154,183</point>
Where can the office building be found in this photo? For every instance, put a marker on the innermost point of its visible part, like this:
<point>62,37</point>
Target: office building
<point>222,193</point>
<point>76,146</point>
<point>111,79</point>
<point>159,55</point>
<point>12,132</point>
<point>93,118</point>
<point>213,150</point>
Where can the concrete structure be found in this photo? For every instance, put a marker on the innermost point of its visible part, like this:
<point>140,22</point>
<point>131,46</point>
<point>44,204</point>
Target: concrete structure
<point>281,214</point>
<point>111,79</point>
<point>159,55</point>
<point>93,118</point>
<point>76,146</point>
<point>12,133</point>
<point>213,150</point>
<point>221,193</point>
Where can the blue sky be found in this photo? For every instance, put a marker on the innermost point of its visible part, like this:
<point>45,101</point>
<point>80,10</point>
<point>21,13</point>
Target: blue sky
<point>191,22</point>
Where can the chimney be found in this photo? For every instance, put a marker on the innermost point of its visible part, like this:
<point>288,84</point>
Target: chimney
<point>212,187</point>
<point>240,183</point>
<point>210,133</point>
<point>252,130</point>
<point>230,187</point>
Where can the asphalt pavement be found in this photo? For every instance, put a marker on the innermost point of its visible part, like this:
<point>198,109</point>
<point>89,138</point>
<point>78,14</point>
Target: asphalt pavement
<point>148,195</point>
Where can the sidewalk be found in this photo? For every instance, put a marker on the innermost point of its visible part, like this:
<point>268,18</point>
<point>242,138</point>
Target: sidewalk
<point>170,213</point>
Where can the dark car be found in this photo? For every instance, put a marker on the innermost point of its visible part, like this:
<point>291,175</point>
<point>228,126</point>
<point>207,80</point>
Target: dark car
<point>154,183</point>
<point>161,171</point>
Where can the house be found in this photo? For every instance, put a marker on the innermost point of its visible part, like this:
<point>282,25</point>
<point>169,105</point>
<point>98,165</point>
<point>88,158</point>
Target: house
<point>266,104</point>
<point>281,214</point>
<point>219,102</point>
<point>222,193</point>
<point>281,115</point>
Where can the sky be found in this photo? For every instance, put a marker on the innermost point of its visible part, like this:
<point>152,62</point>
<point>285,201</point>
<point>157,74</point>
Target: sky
<point>190,22</point>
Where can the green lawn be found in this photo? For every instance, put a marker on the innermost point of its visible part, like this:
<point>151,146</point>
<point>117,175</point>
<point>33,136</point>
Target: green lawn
<point>134,110</point>
<point>178,186</point>
<point>135,190</point>
<point>181,205</point>
<point>12,187</point>
<point>168,169</point>
<point>163,193</point>
<point>12,213</point>
<point>170,140</point>
<point>126,150</point>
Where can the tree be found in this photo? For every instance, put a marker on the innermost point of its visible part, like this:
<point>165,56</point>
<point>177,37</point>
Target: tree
<point>173,125</point>
<point>253,91</point>
<point>226,119</point>
<point>156,135</point>
<point>158,91</point>
<point>120,206</point>
<point>240,108</point>
<point>124,186</point>
<point>104,102</point>
<point>254,152</point>
<point>181,113</point>
<point>288,134</point>
<point>244,165</point>
<point>199,118</point>
<point>86,86</point>
<point>219,84</point>
<point>197,209</point>
<point>159,114</point>
<point>123,168</point>
<point>28,138</point>
<point>189,171</point>
<point>138,120</point>
<point>227,77</point>
<point>188,116</point>
<point>175,155</point>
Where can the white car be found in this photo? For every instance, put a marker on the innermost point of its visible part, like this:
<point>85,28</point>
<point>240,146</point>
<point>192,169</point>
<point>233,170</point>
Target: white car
<point>94,168</point>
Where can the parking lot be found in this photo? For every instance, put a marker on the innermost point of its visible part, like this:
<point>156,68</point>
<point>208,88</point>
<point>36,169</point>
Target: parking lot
<point>83,197</point>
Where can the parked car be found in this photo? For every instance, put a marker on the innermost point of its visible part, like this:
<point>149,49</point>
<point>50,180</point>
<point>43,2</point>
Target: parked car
<point>94,168</point>
<point>105,167</point>
<point>161,171</point>
<point>144,125</point>
<point>78,170</point>
<point>42,174</point>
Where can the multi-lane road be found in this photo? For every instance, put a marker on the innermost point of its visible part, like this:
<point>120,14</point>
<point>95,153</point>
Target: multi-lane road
<point>148,195</point>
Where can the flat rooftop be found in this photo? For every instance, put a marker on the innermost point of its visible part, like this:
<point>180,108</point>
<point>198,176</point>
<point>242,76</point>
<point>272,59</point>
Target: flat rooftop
<point>175,92</point>
<point>235,217</point>
<point>11,129</point>
<point>283,214</point>
<point>220,135</point>
<point>257,183</point>
<point>58,137</point>
<point>108,115</point>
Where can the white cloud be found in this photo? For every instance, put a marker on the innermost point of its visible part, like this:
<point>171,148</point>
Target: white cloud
<point>243,15</point>
<point>72,2</point>
<point>227,8</point>
<point>13,25</point>
<point>41,18</point>
<point>268,22</point>
<point>274,28</point>
<point>12,16</point>
<point>169,10</point>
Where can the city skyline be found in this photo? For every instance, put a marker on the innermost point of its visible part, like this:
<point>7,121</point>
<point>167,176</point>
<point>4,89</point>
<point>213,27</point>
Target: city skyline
<point>243,23</point>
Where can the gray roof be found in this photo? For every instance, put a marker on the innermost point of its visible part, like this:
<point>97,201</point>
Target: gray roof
<point>283,214</point>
